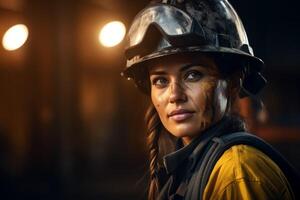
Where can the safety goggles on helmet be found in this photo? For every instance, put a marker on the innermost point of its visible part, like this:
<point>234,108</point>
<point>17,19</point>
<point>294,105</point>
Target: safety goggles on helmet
<point>162,17</point>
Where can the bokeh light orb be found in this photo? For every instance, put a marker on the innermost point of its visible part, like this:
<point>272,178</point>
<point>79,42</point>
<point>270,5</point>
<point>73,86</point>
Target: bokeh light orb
<point>15,37</point>
<point>112,34</point>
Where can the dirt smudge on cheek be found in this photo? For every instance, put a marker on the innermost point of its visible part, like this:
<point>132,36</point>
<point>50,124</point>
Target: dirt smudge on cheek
<point>207,107</point>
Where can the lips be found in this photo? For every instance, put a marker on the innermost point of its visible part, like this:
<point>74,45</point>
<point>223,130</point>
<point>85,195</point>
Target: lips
<point>179,115</point>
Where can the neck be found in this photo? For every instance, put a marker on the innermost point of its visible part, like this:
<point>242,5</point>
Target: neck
<point>186,140</point>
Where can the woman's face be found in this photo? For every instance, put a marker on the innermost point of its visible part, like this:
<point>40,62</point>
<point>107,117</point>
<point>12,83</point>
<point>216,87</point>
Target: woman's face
<point>188,94</point>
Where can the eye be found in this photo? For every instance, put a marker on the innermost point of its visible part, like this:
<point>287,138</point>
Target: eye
<point>160,82</point>
<point>193,75</point>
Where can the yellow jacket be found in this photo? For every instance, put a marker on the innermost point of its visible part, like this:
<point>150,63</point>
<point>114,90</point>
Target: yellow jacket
<point>245,173</point>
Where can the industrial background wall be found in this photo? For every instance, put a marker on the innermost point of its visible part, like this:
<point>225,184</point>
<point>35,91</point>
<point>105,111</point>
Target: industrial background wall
<point>72,128</point>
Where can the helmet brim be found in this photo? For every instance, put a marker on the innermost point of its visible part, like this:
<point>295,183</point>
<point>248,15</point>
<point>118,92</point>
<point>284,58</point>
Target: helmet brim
<point>234,56</point>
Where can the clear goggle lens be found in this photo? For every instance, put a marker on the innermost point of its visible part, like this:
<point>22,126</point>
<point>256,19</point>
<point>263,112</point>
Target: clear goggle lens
<point>163,17</point>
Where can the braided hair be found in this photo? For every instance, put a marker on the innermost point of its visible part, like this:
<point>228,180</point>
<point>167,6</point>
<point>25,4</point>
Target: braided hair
<point>154,127</point>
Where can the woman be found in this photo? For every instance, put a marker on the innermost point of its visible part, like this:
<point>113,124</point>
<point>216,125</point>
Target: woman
<point>194,61</point>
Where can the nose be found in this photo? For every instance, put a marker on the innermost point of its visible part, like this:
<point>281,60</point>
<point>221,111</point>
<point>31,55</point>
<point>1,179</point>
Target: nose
<point>177,93</point>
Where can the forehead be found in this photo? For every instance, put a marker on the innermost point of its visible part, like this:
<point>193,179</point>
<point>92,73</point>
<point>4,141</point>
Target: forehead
<point>176,62</point>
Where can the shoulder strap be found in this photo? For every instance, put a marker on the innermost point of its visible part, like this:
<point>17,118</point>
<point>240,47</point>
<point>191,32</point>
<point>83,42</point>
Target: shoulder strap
<point>220,144</point>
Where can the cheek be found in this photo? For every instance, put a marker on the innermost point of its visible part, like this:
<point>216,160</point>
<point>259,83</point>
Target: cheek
<point>204,96</point>
<point>204,99</point>
<point>158,101</point>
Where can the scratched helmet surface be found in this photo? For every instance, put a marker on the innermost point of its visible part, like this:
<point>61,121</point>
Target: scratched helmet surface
<point>190,26</point>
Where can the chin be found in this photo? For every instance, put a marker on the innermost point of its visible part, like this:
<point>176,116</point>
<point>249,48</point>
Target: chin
<point>185,131</point>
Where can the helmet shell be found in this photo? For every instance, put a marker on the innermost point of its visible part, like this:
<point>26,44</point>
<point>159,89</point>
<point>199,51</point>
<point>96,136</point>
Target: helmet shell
<point>223,36</point>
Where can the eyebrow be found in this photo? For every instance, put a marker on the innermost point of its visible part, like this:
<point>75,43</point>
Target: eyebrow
<point>187,66</point>
<point>183,68</point>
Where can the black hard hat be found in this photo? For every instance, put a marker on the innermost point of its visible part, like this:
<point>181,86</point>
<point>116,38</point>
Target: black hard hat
<point>191,26</point>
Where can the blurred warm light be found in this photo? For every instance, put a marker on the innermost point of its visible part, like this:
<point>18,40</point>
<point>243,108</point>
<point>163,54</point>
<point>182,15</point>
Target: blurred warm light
<point>112,34</point>
<point>15,37</point>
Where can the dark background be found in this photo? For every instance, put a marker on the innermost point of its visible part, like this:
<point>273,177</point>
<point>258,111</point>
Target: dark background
<point>72,128</point>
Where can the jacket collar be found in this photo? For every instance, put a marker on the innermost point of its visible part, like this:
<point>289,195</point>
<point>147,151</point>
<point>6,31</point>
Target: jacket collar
<point>191,151</point>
